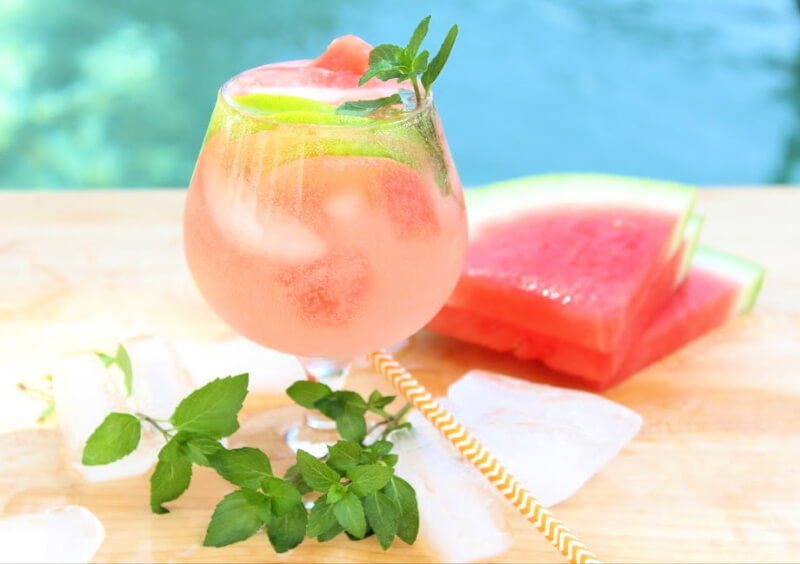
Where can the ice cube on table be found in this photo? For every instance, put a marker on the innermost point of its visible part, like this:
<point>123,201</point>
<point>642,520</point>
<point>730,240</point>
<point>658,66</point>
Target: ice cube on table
<point>551,439</point>
<point>17,410</point>
<point>461,516</point>
<point>271,372</point>
<point>64,534</point>
<point>85,394</point>
<point>159,381</point>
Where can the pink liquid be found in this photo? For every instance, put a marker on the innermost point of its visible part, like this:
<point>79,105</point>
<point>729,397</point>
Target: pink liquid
<point>319,241</point>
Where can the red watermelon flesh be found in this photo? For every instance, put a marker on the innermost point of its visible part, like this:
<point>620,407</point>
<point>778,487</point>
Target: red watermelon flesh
<point>347,53</point>
<point>573,257</point>
<point>718,287</point>
<point>564,355</point>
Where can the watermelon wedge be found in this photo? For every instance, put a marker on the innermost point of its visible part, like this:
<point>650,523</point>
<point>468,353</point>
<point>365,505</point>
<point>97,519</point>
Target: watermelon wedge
<point>572,257</point>
<point>561,354</point>
<point>718,287</point>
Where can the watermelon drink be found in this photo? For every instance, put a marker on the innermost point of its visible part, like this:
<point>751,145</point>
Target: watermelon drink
<point>317,233</point>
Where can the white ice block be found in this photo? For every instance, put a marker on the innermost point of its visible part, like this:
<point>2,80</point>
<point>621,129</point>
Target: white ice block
<point>461,518</point>
<point>551,439</point>
<point>85,395</point>
<point>271,372</point>
<point>65,534</point>
<point>159,381</point>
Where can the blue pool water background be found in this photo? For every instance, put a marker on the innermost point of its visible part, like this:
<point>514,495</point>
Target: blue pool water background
<point>118,94</point>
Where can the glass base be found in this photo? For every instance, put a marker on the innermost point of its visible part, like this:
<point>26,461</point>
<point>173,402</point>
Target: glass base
<point>316,431</point>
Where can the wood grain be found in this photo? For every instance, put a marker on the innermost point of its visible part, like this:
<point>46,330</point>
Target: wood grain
<point>712,477</point>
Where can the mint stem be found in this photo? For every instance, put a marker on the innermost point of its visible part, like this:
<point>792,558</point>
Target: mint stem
<point>154,423</point>
<point>417,95</point>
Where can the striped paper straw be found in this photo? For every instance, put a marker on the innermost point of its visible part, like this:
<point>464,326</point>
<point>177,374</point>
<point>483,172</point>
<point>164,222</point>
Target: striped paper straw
<point>553,530</point>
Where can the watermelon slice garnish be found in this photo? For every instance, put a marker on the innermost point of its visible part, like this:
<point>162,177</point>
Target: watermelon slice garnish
<point>572,257</point>
<point>348,53</point>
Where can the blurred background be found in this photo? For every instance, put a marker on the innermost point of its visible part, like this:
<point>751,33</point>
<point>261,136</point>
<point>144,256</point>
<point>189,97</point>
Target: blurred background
<point>118,94</point>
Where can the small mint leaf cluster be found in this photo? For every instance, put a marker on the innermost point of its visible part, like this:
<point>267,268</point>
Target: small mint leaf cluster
<point>387,62</point>
<point>361,495</point>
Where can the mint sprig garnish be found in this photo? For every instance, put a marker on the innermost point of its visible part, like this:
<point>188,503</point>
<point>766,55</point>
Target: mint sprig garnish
<point>122,361</point>
<point>358,491</point>
<point>388,62</point>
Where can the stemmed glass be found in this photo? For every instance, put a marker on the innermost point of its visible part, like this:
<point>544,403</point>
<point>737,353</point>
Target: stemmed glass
<point>321,235</point>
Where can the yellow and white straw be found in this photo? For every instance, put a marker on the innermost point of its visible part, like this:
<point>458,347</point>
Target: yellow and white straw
<point>544,520</point>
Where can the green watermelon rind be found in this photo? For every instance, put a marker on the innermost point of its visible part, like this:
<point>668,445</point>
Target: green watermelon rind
<point>501,200</point>
<point>691,236</point>
<point>746,274</point>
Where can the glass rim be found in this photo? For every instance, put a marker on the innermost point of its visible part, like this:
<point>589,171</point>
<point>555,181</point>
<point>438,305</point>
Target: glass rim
<point>253,113</point>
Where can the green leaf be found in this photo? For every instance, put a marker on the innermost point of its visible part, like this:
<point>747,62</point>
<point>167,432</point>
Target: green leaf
<point>383,516</point>
<point>306,393</point>
<point>352,425</point>
<point>390,459</point>
<point>343,455</point>
<point>117,436</point>
<point>420,64</point>
<point>382,70</point>
<point>385,52</point>
<point>405,499</point>
<point>437,63</point>
<point>321,517</point>
<point>123,361</point>
<point>350,515</point>
<point>316,474</point>
<point>366,107</point>
<point>47,412</point>
<point>245,467</point>
<point>235,519</point>
<point>381,447</point>
<point>212,409</point>
<point>369,478</point>
<point>376,399</point>
<point>336,492</point>
<point>330,533</point>
<point>197,448</point>
<point>418,36</point>
<point>171,476</point>
<point>107,360</point>
<point>289,530</point>
<point>282,495</point>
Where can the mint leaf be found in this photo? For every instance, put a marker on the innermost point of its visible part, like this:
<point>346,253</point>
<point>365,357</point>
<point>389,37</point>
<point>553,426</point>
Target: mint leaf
<point>306,393</point>
<point>116,437</point>
<point>282,495</point>
<point>330,533</point>
<point>246,466</point>
<point>381,447</point>
<point>378,400</point>
<point>418,36</point>
<point>366,107</point>
<point>336,492</point>
<point>123,361</point>
<point>350,515</point>
<point>107,360</point>
<point>235,518</point>
<point>352,426</point>
<point>197,448</point>
<point>390,459</point>
<point>321,517</point>
<point>47,412</point>
<point>289,530</point>
<point>344,455</point>
<point>405,499</point>
<point>212,409</point>
<point>171,476</point>
<point>382,516</point>
<point>368,479</point>
<point>420,64</point>
<point>316,474</point>
<point>437,63</point>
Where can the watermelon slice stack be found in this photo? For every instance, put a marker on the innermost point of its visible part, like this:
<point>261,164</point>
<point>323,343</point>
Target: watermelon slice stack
<point>595,276</point>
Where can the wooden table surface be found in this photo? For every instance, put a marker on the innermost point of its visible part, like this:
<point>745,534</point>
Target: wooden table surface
<point>714,475</point>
